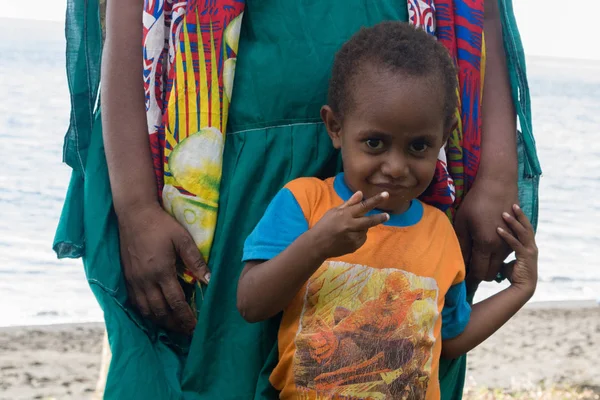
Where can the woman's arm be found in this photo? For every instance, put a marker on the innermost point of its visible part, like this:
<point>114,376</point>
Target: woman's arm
<point>499,123</point>
<point>150,239</point>
<point>495,188</point>
<point>123,109</point>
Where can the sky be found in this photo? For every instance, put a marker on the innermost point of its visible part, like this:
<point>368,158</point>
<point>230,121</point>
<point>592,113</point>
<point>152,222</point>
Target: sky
<point>557,31</point>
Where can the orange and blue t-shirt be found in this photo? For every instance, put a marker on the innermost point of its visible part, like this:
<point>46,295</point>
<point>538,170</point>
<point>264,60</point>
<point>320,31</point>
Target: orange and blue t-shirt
<point>366,325</point>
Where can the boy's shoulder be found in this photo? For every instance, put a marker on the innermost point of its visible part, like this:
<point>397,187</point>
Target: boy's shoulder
<point>309,184</point>
<point>435,213</point>
<point>439,228</point>
<point>313,193</point>
<point>437,219</point>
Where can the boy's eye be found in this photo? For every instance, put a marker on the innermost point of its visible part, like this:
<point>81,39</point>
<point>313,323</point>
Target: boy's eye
<point>418,147</point>
<point>374,144</point>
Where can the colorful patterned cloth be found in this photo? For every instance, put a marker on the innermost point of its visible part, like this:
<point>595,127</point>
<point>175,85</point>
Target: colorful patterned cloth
<point>255,164</point>
<point>458,25</point>
<point>188,93</point>
<point>188,80</point>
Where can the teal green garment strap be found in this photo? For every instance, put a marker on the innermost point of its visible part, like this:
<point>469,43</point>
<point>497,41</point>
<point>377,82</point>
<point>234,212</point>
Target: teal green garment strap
<point>69,239</point>
<point>83,55</point>
<point>515,58</point>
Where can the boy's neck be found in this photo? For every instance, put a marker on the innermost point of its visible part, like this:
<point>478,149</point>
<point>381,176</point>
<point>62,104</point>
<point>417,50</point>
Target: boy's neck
<point>410,216</point>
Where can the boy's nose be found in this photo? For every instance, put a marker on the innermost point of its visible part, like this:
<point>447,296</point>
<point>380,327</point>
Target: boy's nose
<point>396,167</point>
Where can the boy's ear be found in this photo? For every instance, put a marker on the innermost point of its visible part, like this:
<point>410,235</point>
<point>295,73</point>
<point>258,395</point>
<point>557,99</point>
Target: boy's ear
<point>333,126</point>
<point>450,127</point>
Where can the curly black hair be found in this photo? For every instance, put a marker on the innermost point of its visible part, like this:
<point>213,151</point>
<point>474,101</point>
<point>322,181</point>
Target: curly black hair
<point>399,47</point>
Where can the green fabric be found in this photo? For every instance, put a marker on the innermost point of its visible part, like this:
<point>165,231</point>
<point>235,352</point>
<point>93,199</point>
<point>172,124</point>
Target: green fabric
<point>529,165</point>
<point>157,357</point>
<point>515,58</point>
<point>286,53</point>
<point>83,56</point>
<point>452,378</point>
<point>274,136</point>
<point>84,51</point>
<point>256,164</point>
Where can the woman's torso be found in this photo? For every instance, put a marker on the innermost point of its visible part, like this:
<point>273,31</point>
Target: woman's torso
<point>286,52</point>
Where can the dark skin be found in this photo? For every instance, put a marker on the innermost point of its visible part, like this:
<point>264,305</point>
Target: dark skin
<point>151,240</point>
<point>389,143</point>
<point>489,315</point>
<point>386,137</point>
<point>149,254</point>
<point>342,230</point>
<point>391,149</point>
<point>495,187</point>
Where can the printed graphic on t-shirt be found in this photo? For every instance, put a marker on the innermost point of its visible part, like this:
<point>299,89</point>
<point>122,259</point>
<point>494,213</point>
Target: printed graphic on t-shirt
<point>366,333</point>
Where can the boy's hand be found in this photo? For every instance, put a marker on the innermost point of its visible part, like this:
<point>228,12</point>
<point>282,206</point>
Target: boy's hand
<point>343,230</point>
<point>523,271</point>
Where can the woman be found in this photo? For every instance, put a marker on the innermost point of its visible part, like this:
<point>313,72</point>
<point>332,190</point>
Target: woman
<point>279,52</point>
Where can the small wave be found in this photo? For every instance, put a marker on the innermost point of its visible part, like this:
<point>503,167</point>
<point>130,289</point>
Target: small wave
<point>558,279</point>
<point>47,314</point>
<point>566,279</point>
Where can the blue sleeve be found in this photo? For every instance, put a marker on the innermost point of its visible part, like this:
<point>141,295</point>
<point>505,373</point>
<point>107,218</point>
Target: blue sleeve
<point>282,223</point>
<point>456,312</point>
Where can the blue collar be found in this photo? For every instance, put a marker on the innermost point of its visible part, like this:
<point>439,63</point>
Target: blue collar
<point>408,218</point>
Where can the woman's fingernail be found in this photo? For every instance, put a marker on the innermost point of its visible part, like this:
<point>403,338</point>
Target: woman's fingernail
<point>207,277</point>
<point>387,216</point>
<point>500,229</point>
<point>506,215</point>
<point>385,194</point>
<point>516,207</point>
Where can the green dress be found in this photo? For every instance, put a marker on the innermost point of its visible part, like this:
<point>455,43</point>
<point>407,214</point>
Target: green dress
<point>274,135</point>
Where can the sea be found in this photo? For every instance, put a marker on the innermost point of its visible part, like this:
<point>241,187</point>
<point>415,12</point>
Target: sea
<point>36,288</point>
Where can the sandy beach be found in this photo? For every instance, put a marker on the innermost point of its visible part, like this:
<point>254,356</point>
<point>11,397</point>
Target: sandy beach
<point>546,343</point>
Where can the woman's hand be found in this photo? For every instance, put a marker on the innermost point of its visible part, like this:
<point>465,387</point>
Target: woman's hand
<point>523,272</point>
<point>475,223</point>
<point>151,244</point>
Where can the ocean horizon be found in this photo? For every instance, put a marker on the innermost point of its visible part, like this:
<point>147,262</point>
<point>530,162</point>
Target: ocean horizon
<point>38,289</point>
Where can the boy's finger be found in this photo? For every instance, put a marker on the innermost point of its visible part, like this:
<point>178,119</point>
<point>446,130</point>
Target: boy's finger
<point>359,210</point>
<point>364,223</point>
<point>509,239</point>
<point>353,200</point>
<point>516,227</point>
<point>522,218</point>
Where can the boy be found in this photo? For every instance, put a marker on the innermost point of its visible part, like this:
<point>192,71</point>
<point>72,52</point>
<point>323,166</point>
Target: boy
<point>369,279</point>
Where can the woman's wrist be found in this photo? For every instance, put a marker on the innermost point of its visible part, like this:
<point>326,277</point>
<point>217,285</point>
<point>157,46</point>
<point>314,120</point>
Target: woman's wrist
<point>498,169</point>
<point>132,206</point>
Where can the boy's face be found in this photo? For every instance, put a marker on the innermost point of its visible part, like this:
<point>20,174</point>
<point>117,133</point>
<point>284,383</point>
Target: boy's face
<point>391,135</point>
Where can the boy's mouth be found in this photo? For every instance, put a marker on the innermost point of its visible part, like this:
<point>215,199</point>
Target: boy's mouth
<point>391,187</point>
